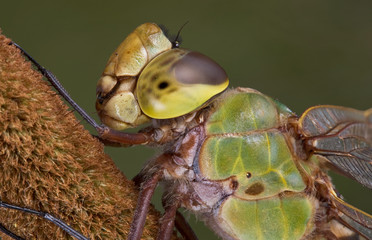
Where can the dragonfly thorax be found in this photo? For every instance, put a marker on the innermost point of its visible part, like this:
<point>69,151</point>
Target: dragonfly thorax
<point>242,131</point>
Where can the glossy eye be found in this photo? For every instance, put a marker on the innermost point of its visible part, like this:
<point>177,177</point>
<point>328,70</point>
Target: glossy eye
<point>178,82</point>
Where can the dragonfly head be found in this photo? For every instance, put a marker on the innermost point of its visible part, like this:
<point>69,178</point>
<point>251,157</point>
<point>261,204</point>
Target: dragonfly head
<point>146,78</point>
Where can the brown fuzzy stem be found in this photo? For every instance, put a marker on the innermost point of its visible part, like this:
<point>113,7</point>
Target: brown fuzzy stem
<point>50,163</point>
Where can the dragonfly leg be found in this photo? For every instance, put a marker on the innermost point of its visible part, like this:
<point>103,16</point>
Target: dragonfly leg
<point>144,200</point>
<point>46,216</point>
<point>167,221</point>
<point>9,233</point>
<point>184,228</point>
<point>181,224</point>
<point>104,132</point>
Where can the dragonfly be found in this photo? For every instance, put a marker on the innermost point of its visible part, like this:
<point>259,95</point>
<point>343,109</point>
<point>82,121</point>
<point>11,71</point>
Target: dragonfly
<point>240,160</point>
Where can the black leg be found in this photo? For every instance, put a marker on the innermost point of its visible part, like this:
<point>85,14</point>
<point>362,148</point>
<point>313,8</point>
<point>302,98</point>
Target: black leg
<point>46,216</point>
<point>104,132</point>
<point>9,233</point>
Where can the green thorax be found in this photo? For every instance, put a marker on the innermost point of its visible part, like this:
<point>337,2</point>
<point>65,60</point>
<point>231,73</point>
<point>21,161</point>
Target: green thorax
<point>243,110</point>
<point>247,142</point>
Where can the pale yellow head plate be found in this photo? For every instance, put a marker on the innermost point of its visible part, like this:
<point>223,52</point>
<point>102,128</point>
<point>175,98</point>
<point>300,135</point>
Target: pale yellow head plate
<point>142,45</point>
<point>116,103</point>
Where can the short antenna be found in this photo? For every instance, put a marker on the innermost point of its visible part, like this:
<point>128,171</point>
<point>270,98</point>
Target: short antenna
<point>176,42</point>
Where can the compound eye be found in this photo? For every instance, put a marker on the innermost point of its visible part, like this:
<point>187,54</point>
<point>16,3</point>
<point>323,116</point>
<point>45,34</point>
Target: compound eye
<point>196,68</point>
<point>178,82</point>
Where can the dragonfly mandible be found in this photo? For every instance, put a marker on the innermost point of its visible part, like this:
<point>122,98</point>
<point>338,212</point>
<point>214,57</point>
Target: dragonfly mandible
<point>240,160</point>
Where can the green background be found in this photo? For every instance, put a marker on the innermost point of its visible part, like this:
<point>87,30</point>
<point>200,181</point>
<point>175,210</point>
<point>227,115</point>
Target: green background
<point>303,53</point>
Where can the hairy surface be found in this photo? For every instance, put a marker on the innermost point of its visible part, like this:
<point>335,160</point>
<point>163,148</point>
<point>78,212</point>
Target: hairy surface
<point>50,163</point>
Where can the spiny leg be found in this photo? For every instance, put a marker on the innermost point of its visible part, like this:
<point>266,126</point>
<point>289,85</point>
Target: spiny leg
<point>104,132</point>
<point>44,215</point>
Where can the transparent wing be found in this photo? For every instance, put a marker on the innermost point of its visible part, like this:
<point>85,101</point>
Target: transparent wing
<point>342,136</point>
<point>355,219</point>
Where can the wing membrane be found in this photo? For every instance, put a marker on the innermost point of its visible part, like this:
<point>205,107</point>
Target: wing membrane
<point>342,136</point>
<point>322,119</point>
<point>354,218</point>
<point>356,168</point>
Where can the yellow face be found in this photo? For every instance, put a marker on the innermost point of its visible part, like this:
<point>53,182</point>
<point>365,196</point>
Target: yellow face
<point>145,78</point>
<point>177,82</point>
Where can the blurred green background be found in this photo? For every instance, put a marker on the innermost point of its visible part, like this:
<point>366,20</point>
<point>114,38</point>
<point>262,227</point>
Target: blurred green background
<point>303,53</point>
